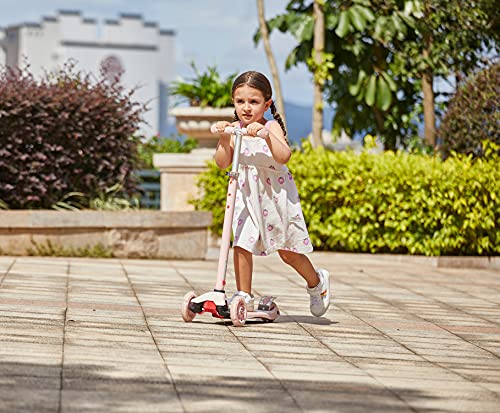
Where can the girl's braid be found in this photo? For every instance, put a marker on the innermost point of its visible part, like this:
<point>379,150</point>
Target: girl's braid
<point>277,117</point>
<point>235,116</point>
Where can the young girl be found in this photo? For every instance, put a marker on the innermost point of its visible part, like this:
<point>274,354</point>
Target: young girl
<point>267,214</point>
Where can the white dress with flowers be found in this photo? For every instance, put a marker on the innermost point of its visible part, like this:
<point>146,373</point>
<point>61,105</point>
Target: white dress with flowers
<point>267,214</point>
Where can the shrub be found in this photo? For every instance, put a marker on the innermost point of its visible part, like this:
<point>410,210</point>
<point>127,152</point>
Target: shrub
<point>473,114</point>
<point>158,144</point>
<point>213,187</point>
<point>389,202</point>
<point>66,132</point>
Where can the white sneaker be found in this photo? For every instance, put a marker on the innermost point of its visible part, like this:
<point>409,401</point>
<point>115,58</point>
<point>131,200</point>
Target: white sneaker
<point>320,295</point>
<point>249,299</point>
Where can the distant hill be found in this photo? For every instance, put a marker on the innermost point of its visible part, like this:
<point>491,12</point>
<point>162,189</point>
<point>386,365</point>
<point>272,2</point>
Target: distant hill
<point>299,120</point>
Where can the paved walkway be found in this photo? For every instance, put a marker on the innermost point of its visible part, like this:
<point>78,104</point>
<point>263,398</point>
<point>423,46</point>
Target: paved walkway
<point>89,335</point>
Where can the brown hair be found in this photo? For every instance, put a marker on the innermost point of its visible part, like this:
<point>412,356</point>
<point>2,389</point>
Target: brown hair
<point>258,81</point>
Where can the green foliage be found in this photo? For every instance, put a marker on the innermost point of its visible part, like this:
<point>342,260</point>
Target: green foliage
<point>388,203</point>
<point>206,89</point>
<point>378,51</point>
<point>454,34</point>
<point>213,184</point>
<point>473,114</point>
<point>49,249</point>
<point>109,199</point>
<point>158,144</point>
<point>362,80</point>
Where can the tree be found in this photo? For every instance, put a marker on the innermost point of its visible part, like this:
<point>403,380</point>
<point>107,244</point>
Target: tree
<point>264,32</point>
<point>380,60</point>
<point>450,37</point>
<point>319,47</point>
<point>361,70</point>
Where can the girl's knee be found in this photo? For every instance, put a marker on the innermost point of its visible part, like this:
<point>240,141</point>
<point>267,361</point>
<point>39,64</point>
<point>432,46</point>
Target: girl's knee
<point>240,250</point>
<point>289,257</point>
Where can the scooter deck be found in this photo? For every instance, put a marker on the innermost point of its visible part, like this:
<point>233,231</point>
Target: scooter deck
<point>215,303</point>
<point>265,315</point>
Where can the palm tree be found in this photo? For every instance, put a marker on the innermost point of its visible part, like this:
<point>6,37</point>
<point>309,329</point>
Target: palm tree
<point>270,57</point>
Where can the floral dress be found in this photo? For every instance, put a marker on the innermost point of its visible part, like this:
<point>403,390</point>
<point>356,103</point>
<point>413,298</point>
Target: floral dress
<point>267,213</point>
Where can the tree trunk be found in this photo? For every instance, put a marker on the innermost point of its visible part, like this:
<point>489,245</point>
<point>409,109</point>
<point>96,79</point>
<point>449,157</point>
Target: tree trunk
<point>319,46</point>
<point>272,63</point>
<point>429,112</point>
<point>389,143</point>
<point>427,86</point>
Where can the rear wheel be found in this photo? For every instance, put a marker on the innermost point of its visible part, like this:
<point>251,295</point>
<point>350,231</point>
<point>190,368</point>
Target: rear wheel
<point>238,311</point>
<point>187,314</point>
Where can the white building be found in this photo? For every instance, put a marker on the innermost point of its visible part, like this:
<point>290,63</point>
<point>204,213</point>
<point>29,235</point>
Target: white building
<point>140,50</point>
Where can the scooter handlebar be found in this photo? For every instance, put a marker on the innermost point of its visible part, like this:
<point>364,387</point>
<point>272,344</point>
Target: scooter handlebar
<point>262,133</point>
<point>232,129</point>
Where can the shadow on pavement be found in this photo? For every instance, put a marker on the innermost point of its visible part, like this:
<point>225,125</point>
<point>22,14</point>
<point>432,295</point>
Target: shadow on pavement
<point>36,388</point>
<point>206,319</point>
<point>306,319</point>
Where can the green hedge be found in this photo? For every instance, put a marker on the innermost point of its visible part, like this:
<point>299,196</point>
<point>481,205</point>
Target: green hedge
<point>388,203</point>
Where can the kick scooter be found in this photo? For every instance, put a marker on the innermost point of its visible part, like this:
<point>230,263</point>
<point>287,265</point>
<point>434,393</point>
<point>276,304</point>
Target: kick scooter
<point>215,302</point>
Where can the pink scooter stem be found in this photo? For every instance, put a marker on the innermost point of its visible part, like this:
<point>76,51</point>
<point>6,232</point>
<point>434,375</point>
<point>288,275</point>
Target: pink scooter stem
<point>228,214</point>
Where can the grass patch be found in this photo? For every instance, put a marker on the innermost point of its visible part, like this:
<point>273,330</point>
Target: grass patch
<point>49,249</point>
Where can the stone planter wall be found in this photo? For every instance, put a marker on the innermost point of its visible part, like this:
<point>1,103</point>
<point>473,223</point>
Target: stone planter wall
<point>195,122</point>
<point>127,234</point>
<point>178,173</point>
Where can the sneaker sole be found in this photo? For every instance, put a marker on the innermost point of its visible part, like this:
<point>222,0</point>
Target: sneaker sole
<point>326,276</point>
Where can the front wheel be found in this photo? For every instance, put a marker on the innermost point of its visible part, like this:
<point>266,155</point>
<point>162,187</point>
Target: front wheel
<point>187,314</point>
<point>238,311</point>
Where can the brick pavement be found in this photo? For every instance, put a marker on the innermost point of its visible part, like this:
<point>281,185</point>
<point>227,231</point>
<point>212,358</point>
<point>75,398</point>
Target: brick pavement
<point>90,335</point>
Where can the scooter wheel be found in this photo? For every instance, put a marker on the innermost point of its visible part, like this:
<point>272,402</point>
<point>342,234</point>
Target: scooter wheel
<point>238,311</point>
<point>187,314</point>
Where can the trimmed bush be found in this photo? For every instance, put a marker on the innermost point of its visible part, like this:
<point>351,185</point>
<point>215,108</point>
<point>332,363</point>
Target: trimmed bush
<point>64,133</point>
<point>388,203</point>
<point>473,114</point>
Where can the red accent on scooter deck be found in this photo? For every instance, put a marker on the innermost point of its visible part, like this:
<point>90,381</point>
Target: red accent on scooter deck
<point>210,307</point>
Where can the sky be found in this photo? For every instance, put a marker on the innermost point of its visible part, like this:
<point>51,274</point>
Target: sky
<point>209,32</point>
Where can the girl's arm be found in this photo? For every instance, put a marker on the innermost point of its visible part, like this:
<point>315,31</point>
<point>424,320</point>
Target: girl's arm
<point>277,143</point>
<point>224,151</point>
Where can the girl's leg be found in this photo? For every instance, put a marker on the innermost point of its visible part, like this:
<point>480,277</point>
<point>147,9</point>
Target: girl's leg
<point>317,288</point>
<point>302,265</point>
<point>243,268</point>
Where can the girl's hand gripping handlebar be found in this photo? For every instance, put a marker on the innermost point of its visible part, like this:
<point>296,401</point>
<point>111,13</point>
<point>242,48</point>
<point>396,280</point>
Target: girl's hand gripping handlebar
<point>262,133</point>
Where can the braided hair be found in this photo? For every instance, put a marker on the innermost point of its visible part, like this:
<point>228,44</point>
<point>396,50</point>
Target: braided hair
<point>260,82</point>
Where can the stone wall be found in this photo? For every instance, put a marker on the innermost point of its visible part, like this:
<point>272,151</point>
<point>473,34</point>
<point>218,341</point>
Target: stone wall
<point>131,234</point>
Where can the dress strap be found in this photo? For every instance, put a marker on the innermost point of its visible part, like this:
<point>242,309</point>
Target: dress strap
<point>268,123</point>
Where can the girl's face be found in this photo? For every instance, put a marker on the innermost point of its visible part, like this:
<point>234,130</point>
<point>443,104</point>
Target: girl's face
<point>250,104</point>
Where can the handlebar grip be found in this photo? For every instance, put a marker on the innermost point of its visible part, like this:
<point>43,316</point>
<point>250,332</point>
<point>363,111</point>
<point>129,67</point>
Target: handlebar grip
<point>262,133</point>
<point>230,130</point>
